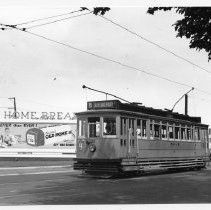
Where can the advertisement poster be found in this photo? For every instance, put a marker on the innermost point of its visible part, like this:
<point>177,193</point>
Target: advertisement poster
<point>37,135</point>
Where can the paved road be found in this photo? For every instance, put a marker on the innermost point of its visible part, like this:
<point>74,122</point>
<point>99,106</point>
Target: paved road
<point>61,185</point>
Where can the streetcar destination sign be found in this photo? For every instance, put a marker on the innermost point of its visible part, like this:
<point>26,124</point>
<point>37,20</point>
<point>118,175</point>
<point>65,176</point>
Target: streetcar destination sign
<point>102,105</point>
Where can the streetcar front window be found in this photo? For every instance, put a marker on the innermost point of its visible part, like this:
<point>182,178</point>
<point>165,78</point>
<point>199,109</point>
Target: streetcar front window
<point>82,127</point>
<point>123,129</point>
<point>109,126</point>
<point>94,126</point>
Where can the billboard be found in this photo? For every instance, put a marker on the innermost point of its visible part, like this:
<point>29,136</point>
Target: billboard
<point>37,135</point>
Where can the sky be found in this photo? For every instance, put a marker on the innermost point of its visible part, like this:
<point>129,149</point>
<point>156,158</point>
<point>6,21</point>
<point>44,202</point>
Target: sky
<point>45,76</point>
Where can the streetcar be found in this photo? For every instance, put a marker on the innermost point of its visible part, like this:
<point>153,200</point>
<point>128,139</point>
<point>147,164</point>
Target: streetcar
<point>117,138</point>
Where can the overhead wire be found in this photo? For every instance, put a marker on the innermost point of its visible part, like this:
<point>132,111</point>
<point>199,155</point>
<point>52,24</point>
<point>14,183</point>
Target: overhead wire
<point>56,21</point>
<point>153,43</point>
<point>107,19</point>
<point>107,59</point>
<point>42,19</point>
<point>46,18</point>
<point>111,60</point>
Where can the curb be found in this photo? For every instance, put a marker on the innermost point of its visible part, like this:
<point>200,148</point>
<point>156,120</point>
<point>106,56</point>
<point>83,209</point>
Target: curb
<point>35,167</point>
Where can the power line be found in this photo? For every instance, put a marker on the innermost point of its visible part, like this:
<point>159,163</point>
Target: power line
<point>153,43</point>
<point>107,59</point>
<point>110,60</point>
<point>38,25</point>
<point>46,18</point>
<point>56,21</point>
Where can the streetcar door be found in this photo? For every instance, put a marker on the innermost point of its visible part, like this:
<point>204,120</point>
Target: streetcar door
<point>203,138</point>
<point>131,137</point>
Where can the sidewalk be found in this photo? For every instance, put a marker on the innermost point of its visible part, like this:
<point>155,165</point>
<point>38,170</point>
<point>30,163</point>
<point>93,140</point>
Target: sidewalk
<point>28,162</point>
<point>37,153</point>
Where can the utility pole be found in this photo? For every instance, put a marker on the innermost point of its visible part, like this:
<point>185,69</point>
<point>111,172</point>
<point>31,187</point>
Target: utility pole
<point>186,104</point>
<point>14,106</point>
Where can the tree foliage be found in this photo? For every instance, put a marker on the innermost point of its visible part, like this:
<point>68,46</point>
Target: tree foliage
<point>98,10</point>
<point>195,25</point>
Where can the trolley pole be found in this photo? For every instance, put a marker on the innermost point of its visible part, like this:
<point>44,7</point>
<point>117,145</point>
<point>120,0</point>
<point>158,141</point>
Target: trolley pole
<point>186,101</point>
<point>186,104</point>
<point>99,91</point>
<point>14,106</point>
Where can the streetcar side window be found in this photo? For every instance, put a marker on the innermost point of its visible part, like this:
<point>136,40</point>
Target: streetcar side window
<point>171,133</point>
<point>131,126</point>
<point>94,126</point>
<point>177,132</point>
<point>138,130</point>
<point>199,137</point>
<point>144,127</point>
<point>206,135</point>
<point>151,129</point>
<point>164,132</point>
<point>183,133</point>
<point>203,134</point>
<point>157,129</point>
<point>82,127</point>
<point>141,128</point>
<point>196,134</point>
<point>109,126</point>
<point>188,133</point>
<point>192,133</point>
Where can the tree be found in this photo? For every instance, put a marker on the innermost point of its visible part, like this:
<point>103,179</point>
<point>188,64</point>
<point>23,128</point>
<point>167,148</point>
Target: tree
<point>98,10</point>
<point>195,25</point>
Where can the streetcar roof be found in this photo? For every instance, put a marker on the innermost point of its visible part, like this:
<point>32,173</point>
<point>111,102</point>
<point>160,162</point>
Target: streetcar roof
<point>135,109</point>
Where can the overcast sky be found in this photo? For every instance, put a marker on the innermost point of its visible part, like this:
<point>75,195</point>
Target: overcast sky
<point>29,64</point>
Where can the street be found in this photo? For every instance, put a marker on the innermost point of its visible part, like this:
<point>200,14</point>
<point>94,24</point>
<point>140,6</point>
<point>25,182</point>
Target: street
<point>60,185</point>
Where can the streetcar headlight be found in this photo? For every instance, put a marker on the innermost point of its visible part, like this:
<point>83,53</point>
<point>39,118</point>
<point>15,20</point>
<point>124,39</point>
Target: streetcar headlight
<point>92,147</point>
